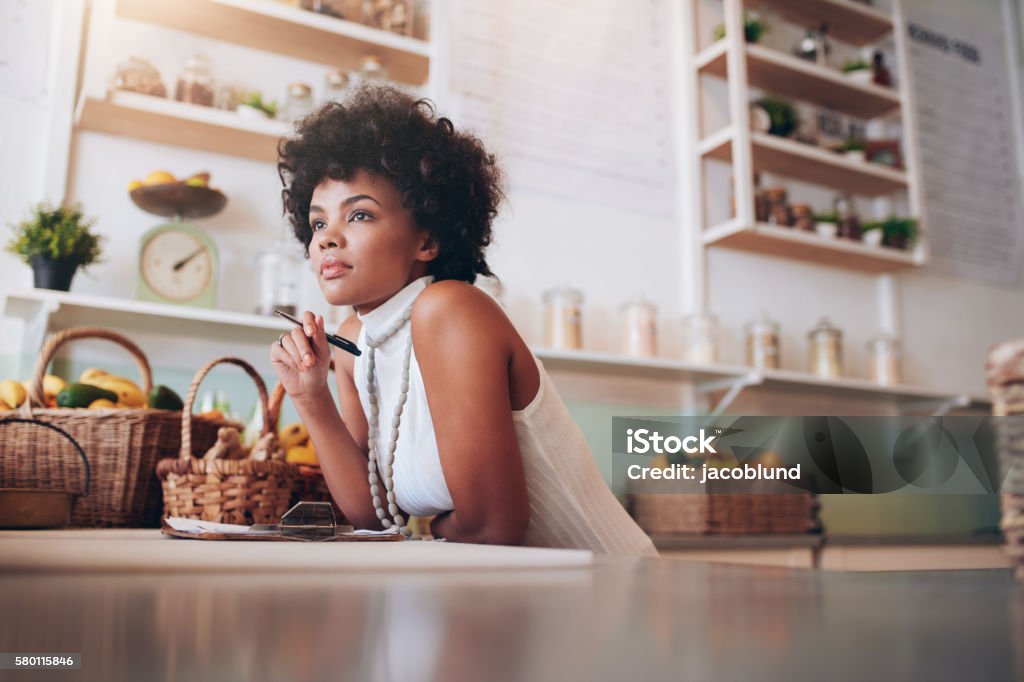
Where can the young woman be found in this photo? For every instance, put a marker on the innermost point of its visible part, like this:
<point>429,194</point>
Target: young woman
<point>446,413</point>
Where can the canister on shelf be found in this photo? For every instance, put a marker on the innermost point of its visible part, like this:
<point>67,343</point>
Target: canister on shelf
<point>884,360</point>
<point>778,208</point>
<point>336,83</point>
<point>195,85</point>
<point>563,318</point>
<point>638,328</point>
<point>278,269</point>
<point>700,338</point>
<point>826,350</point>
<point>371,68</point>
<point>763,343</point>
<point>803,217</point>
<point>137,75</point>
<point>299,102</point>
<point>762,205</point>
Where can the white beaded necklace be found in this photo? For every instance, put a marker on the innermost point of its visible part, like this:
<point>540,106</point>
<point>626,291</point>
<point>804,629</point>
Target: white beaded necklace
<point>387,470</point>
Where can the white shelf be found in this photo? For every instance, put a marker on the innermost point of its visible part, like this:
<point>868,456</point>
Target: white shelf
<point>167,121</point>
<point>61,310</point>
<point>788,242</point>
<point>796,78</point>
<point>282,29</point>
<point>848,21</point>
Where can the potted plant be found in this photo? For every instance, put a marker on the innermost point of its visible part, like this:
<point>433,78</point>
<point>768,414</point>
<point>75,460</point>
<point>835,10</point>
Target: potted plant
<point>55,242</point>
<point>853,149</point>
<point>753,29</point>
<point>826,224</point>
<point>871,233</point>
<point>899,233</point>
<point>252,105</point>
<point>784,116</point>
<point>859,70</point>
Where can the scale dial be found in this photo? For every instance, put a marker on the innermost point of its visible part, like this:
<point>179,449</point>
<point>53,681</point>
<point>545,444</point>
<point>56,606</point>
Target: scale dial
<point>178,265</point>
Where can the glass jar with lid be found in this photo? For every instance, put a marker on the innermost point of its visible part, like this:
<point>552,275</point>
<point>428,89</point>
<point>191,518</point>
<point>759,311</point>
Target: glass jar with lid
<point>195,85</point>
<point>137,75</point>
<point>700,338</point>
<point>884,360</point>
<point>639,331</point>
<point>371,68</point>
<point>762,343</point>
<point>299,102</point>
<point>278,268</point>
<point>563,318</point>
<point>826,350</point>
<point>336,83</point>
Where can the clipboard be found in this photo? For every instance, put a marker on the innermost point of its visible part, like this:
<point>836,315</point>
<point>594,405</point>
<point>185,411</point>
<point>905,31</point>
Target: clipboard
<point>305,522</point>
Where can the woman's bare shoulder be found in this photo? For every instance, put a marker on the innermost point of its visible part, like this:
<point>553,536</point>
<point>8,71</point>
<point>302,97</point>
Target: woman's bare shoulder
<point>452,302</point>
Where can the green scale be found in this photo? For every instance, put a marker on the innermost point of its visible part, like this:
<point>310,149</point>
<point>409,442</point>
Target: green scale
<point>177,260</point>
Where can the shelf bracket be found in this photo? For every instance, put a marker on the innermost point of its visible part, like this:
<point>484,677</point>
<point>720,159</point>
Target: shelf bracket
<point>732,387</point>
<point>935,408</point>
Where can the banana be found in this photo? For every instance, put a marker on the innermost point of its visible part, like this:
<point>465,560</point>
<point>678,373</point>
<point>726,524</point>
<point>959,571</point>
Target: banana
<point>92,373</point>
<point>52,385</point>
<point>4,406</point>
<point>127,392</point>
<point>102,403</point>
<point>292,435</point>
<point>12,393</point>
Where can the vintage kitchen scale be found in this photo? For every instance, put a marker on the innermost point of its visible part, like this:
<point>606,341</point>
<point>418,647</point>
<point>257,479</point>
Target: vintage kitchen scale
<point>178,260</point>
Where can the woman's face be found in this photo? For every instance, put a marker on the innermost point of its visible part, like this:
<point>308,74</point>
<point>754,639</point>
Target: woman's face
<point>366,245</point>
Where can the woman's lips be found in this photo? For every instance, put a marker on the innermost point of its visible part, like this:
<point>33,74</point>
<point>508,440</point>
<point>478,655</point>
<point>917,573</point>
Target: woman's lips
<point>332,268</point>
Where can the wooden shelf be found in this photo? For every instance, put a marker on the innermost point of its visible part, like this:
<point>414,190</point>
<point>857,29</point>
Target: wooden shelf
<point>170,122</point>
<point>848,21</point>
<point>796,78</point>
<point>804,162</point>
<point>615,365</point>
<point>277,27</point>
<point>787,242</point>
<point>853,387</point>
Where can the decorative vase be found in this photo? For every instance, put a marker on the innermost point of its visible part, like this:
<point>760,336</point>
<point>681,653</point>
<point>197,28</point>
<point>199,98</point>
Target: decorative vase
<point>48,273</point>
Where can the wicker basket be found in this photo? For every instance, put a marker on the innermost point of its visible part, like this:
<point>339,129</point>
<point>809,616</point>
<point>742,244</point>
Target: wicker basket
<point>705,512</point>
<point>1005,370</point>
<point>123,446</point>
<point>243,491</point>
<point>309,485</point>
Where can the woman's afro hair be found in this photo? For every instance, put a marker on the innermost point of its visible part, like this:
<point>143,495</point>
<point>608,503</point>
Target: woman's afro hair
<point>446,178</point>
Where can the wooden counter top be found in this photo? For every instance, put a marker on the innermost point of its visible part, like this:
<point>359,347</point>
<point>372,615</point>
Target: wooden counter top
<point>610,619</point>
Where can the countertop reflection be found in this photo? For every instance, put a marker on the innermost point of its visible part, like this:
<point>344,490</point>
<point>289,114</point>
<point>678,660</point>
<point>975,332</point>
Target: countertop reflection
<point>619,619</point>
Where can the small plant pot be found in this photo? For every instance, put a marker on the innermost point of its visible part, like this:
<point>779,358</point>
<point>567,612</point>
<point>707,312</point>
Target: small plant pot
<point>52,274</point>
<point>863,76</point>
<point>826,230</point>
<point>857,156</point>
<point>246,111</point>
<point>872,238</point>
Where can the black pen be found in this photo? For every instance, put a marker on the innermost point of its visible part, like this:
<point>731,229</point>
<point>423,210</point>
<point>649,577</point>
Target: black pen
<point>333,339</point>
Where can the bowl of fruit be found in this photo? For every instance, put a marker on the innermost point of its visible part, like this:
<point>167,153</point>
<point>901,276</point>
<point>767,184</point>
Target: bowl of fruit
<point>160,193</point>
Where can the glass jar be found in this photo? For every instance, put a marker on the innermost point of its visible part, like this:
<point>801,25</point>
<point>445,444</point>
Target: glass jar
<point>826,350</point>
<point>639,330</point>
<point>195,85</point>
<point>778,208</point>
<point>372,69</point>
<point>137,75</point>
<point>278,270</point>
<point>335,85</point>
<point>563,318</point>
<point>299,102</point>
<point>700,338</point>
<point>884,360</point>
<point>762,341</point>
<point>803,217</point>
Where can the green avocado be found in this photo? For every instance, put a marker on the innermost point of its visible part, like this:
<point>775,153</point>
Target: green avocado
<point>163,398</point>
<point>82,395</point>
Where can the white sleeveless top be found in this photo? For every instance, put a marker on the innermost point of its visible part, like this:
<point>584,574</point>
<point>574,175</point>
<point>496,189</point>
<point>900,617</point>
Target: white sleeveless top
<point>570,503</point>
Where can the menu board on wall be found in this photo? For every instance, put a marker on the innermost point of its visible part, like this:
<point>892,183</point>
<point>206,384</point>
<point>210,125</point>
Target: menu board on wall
<point>968,139</point>
<point>572,96</point>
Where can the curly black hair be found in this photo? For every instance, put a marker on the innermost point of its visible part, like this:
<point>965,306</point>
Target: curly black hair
<point>449,182</point>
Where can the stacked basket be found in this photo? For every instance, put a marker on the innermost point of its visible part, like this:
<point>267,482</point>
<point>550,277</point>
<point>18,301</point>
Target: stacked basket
<point>122,445</point>
<point>1006,386</point>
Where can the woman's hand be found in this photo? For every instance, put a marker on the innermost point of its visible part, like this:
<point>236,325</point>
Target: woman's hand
<point>301,359</point>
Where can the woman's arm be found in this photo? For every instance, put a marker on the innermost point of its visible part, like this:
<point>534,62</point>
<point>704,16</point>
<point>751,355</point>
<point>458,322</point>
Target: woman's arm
<point>463,344</point>
<point>340,445</point>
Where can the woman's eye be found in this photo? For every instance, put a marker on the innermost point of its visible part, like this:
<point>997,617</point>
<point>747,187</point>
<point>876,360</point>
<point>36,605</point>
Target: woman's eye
<point>360,216</point>
<point>317,225</point>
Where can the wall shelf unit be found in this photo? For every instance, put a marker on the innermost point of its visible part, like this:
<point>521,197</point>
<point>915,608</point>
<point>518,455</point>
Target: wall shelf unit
<point>287,30</point>
<point>849,21</point>
<point>167,121</point>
